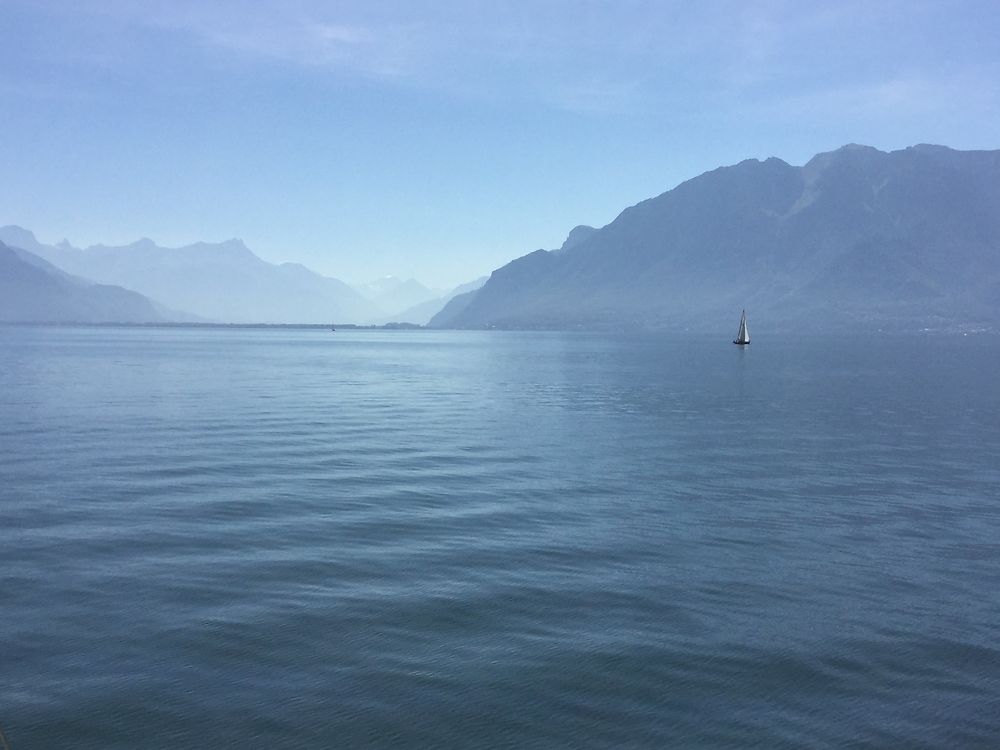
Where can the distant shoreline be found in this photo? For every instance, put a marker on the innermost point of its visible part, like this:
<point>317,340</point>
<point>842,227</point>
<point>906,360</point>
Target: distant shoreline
<point>966,329</point>
<point>305,326</point>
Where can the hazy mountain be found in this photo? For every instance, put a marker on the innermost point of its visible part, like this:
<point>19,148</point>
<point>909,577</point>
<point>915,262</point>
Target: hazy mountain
<point>223,282</point>
<point>421,314</point>
<point>855,238</point>
<point>394,295</point>
<point>32,290</point>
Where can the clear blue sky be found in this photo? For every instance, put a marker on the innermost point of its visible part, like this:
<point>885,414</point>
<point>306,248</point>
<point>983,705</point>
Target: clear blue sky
<point>442,139</point>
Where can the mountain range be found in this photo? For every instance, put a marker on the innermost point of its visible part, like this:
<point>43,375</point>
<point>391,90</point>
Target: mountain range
<point>422,313</point>
<point>856,237</point>
<point>223,282</point>
<point>32,290</point>
<point>393,294</point>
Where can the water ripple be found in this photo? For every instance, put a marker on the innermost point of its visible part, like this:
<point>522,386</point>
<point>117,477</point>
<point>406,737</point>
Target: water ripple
<point>219,538</point>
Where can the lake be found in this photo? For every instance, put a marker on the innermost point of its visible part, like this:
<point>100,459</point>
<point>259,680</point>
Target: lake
<point>288,538</point>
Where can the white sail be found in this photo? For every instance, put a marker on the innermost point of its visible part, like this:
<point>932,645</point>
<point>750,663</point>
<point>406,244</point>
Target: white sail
<point>743,337</point>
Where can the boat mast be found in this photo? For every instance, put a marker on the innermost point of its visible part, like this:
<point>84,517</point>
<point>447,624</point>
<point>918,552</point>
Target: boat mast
<point>743,336</point>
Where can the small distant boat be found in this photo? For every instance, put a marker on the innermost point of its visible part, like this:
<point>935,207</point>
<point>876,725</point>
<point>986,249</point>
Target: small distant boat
<point>743,337</point>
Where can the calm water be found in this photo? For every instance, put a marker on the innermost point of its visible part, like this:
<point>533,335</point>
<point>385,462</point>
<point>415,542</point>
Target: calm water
<point>298,539</point>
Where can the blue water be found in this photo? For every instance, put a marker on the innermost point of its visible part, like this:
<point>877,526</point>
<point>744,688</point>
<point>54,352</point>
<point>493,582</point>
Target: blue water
<point>215,538</point>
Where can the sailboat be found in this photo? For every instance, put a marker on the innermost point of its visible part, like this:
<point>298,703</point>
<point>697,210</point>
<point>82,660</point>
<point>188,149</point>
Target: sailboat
<point>743,337</point>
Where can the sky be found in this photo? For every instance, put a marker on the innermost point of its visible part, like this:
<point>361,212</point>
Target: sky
<point>440,140</point>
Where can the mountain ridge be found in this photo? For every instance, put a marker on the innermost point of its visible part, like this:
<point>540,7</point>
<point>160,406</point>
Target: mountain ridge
<point>223,281</point>
<point>421,314</point>
<point>32,290</point>
<point>866,237</point>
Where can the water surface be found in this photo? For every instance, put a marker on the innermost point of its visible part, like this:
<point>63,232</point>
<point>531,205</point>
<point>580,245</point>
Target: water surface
<point>294,539</point>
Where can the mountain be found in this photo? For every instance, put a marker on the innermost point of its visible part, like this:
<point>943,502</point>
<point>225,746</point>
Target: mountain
<point>856,238</point>
<point>393,295</point>
<point>32,290</point>
<point>224,282</point>
<point>576,235</point>
<point>421,314</point>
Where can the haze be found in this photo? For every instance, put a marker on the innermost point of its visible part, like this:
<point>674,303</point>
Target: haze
<point>441,140</point>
